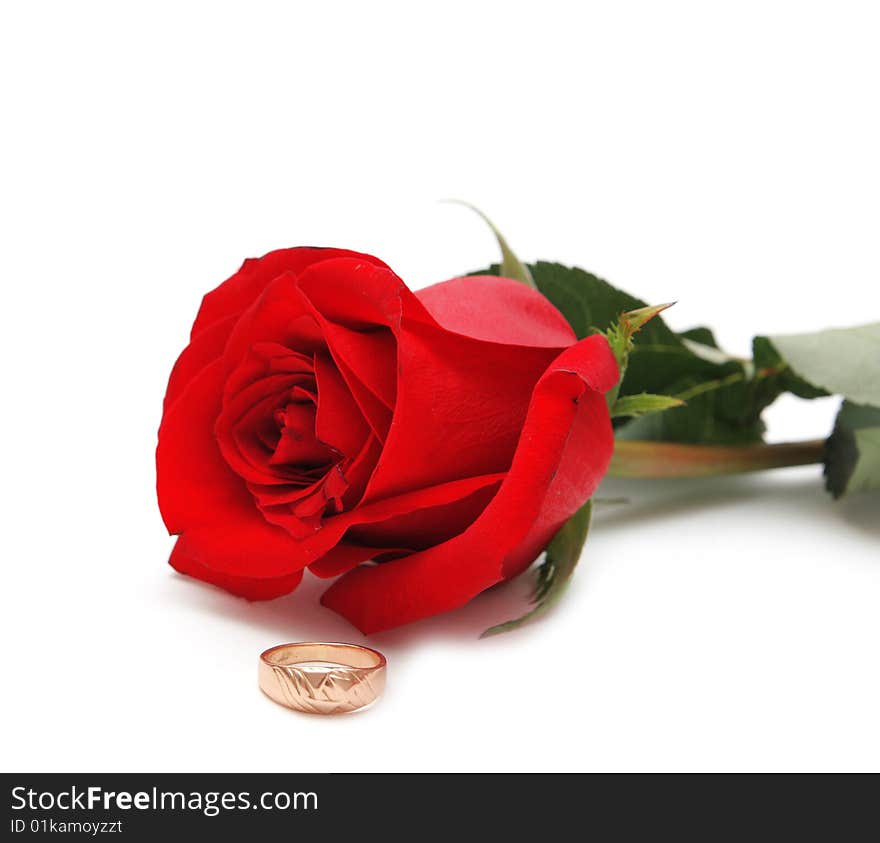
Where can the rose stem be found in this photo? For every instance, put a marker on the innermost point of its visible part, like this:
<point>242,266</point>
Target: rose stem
<point>633,458</point>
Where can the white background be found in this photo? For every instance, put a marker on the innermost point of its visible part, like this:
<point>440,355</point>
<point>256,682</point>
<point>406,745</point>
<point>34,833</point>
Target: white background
<point>724,155</point>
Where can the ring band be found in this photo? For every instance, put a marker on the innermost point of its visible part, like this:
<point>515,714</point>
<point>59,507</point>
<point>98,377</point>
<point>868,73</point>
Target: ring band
<point>322,678</point>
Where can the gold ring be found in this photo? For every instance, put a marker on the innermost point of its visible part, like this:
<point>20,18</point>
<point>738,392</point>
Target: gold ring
<point>322,678</point>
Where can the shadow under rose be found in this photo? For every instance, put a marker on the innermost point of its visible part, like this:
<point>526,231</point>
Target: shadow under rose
<point>794,494</point>
<point>299,616</point>
<point>294,617</point>
<point>797,493</point>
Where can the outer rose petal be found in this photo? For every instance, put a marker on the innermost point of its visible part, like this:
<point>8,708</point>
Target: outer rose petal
<point>245,545</point>
<point>470,306</point>
<point>201,498</point>
<point>194,483</point>
<point>250,587</point>
<point>239,292</point>
<point>202,350</point>
<point>222,307</point>
<point>545,486</point>
<point>461,404</point>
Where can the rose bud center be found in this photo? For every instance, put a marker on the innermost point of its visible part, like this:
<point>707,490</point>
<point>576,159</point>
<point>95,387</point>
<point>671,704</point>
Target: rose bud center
<point>268,433</point>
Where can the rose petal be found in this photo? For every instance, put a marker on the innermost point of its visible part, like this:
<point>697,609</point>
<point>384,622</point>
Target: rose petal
<point>202,350</point>
<point>278,316</point>
<point>421,528</point>
<point>338,421</point>
<point>397,526</point>
<point>240,431</point>
<point>194,484</point>
<point>244,547</point>
<point>545,486</point>
<point>460,407</point>
<point>239,292</point>
<point>250,557</point>
<point>252,588</point>
<point>283,314</point>
<point>344,557</point>
<point>368,355</point>
<point>469,306</point>
<point>265,359</point>
<point>358,335</point>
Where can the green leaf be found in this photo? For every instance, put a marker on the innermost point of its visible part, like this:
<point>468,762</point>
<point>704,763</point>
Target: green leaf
<point>643,404</point>
<point>554,573</point>
<point>852,460</point>
<point>777,375</point>
<point>722,415</point>
<point>660,363</point>
<point>591,304</point>
<point>702,342</point>
<point>842,361</point>
<point>701,335</point>
<point>511,265</point>
<point>724,395</point>
<point>720,407</point>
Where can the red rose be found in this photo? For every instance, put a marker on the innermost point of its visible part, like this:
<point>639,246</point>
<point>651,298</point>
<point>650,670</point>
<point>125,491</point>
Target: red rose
<point>323,415</point>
